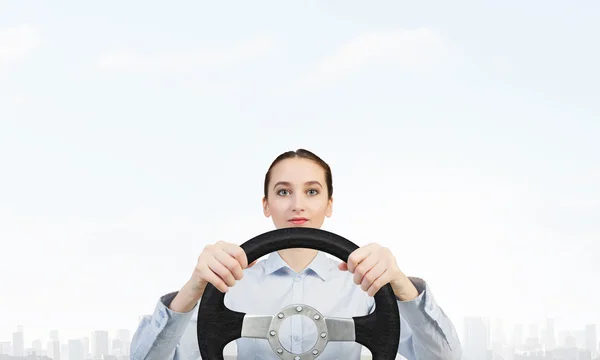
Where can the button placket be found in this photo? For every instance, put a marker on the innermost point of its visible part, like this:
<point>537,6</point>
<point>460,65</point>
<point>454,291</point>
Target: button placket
<point>296,320</point>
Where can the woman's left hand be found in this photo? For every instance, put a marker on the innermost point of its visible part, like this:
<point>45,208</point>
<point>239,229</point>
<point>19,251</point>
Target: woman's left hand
<point>375,266</point>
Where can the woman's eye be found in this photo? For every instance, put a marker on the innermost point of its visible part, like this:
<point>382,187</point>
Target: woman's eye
<point>313,192</point>
<point>283,192</point>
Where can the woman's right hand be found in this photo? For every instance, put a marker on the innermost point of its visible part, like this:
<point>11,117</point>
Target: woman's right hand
<point>220,264</point>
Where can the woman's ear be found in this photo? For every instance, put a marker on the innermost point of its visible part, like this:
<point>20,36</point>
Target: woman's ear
<point>329,207</point>
<point>265,205</point>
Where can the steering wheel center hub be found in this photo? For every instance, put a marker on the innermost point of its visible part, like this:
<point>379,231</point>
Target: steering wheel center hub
<point>286,313</point>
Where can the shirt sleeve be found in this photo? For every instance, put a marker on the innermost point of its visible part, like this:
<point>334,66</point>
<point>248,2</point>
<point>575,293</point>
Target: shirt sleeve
<point>427,332</point>
<point>157,336</point>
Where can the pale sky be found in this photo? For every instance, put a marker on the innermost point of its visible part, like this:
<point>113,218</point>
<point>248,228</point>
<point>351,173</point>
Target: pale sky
<point>462,135</point>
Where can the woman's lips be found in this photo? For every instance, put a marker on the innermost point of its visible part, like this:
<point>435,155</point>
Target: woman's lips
<point>298,221</point>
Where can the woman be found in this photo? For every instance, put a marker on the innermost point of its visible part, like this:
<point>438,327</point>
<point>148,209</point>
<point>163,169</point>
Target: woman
<point>298,191</point>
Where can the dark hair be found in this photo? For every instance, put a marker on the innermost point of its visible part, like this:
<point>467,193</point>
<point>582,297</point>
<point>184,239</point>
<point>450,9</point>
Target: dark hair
<point>304,154</point>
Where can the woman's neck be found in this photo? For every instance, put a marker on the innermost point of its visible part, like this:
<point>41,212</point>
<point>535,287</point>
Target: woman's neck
<point>298,259</point>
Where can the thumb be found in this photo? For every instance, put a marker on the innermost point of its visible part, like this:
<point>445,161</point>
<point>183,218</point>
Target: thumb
<point>343,266</point>
<point>251,264</point>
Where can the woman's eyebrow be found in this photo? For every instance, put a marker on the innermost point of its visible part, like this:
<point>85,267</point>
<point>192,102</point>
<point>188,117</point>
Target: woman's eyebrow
<point>287,183</point>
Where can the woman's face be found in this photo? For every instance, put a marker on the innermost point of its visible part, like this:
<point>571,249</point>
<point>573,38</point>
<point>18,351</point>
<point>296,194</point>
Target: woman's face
<point>297,194</point>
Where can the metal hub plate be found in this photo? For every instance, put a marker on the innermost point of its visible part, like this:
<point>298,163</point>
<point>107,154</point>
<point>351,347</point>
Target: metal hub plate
<point>298,309</point>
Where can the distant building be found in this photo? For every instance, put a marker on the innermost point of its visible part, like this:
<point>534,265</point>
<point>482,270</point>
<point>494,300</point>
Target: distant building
<point>18,343</point>
<point>53,350</point>
<point>5,348</point>
<point>100,344</point>
<point>76,350</point>
<point>591,338</point>
<point>476,339</point>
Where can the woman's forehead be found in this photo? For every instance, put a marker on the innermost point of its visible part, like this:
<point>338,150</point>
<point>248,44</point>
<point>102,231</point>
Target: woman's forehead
<point>297,170</point>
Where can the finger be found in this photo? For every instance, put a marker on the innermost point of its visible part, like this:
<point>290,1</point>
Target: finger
<point>221,271</point>
<point>231,263</point>
<point>343,266</point>
<point>237,252</point>
<point>211,277</point>
<point>252,263</point>
<point>379,283</point>
<point>372,276</point>
<point>356,257</point>
<point>364,267</point>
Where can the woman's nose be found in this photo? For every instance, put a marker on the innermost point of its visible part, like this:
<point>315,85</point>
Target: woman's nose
<point>298,204</point>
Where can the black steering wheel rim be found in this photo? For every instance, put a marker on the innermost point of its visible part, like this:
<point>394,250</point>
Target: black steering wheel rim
<point>217,325</point>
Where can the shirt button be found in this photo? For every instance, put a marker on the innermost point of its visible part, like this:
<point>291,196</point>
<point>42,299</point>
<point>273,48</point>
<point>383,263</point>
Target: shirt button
<point>296,338</point>
<point>297,278</point>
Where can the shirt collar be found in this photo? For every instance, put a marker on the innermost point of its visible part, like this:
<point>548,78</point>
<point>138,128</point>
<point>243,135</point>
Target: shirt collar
<point>320,265</point>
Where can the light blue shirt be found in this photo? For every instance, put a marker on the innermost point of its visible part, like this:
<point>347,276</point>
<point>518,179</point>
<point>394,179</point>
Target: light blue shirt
<point>426,332</point>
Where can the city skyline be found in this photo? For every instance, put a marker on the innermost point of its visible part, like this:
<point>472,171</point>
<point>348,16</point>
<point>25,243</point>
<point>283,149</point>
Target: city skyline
<point>507,328</point>
<point>98,344</point>
<point>480,336</point>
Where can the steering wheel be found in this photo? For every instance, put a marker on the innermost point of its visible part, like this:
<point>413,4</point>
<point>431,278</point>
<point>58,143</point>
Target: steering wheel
<point>217,325</point>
